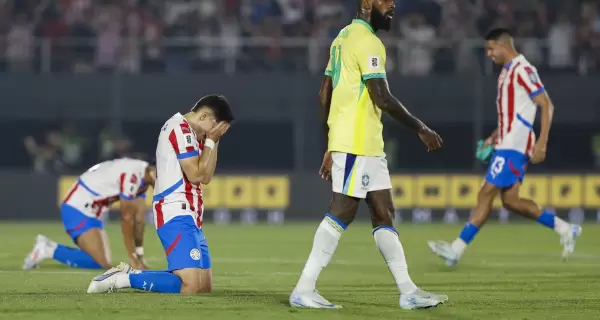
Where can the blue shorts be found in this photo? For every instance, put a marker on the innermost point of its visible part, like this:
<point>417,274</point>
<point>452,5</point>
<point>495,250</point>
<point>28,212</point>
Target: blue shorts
<point>184,244</point>
<point>507,167</point>
<point>76,223</point>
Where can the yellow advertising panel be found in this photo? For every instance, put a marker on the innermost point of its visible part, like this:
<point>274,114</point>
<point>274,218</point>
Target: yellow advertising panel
<point>431,191</point>
<point>272,192</point>
<point>212,193</point>
<point>592,192</point>
<point>566,191</point>
<point>463,191</point>
<point>65,184</point>
<point>402,191</point>
<point>536,188</point>
<point>238,192</point>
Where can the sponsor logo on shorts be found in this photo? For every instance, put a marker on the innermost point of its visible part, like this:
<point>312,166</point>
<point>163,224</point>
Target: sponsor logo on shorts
<point>195,254</point>
<point>366,180</point>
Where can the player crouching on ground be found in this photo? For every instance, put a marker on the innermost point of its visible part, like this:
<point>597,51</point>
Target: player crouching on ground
<point>186,157</point>
<point>90,197</point>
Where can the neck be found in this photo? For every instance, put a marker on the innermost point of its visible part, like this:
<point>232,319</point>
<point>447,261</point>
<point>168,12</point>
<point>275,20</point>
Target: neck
<point>366,16</point>
<point>511,56</point>
<point>191,119</point>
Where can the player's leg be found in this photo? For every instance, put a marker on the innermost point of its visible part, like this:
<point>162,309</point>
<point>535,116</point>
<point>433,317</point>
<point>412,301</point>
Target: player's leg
<point>512,201</point>
<point>379,201</point>
<point>495,180</point>
<point>189,264</point>
<point>342,210</point>
<point>86,233</point>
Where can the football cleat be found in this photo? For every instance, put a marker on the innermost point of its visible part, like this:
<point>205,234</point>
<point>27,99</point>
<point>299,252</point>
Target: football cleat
<point>568,240</point>
<point>107,281</point>
<point>421,300</point>
<point>444,250</point>
<point>37,254</point>
<point>311,299</point>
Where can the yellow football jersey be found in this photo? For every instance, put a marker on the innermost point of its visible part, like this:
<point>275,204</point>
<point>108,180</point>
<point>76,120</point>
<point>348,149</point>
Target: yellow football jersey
<point>356,55</point>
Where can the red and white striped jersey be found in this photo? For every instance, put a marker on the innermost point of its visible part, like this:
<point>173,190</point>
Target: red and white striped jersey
<point>106,183</point>
<point>174,194</point>
<point>518,84</point>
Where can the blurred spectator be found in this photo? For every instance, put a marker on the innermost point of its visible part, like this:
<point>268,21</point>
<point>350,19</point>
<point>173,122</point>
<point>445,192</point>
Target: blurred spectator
<point>417,57</point>
<point>72,146</point>
<point>45,158</point>
<point>20,44</point>
<point>530,42</point>
<point>109,38</point>
<point>561,43</point>
<point>178,58</point>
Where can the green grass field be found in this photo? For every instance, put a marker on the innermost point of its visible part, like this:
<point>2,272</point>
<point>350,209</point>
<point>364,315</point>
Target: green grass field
<point>510,272</point>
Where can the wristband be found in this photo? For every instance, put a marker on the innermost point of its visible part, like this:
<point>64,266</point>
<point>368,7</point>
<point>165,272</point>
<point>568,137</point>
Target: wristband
<point>139,251</point>
<point>209,143</point>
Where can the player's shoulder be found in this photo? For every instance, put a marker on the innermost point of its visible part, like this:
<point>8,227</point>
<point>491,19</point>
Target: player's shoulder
<point>526,65</point>
<point>130,163</point>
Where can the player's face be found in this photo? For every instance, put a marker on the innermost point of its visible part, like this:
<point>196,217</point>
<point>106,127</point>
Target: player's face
<point>495,51</point>
<point>382,13</point>
<point>207,120</point>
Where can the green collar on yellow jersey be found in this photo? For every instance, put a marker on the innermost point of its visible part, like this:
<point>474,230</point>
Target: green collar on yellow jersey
<point>364,23</point>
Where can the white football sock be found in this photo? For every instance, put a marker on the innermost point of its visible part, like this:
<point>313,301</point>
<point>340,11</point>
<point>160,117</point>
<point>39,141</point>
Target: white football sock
<point>561,226</point>
<point>50,248</point>
<point>390,247</point>
<point>326,240</point>
<point>122,281</point>
<point>459,246</point>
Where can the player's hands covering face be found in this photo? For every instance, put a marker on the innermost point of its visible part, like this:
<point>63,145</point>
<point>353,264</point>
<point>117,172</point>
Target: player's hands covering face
<point>218,131</point>
<point>325,170</point>
<point>431,139</point>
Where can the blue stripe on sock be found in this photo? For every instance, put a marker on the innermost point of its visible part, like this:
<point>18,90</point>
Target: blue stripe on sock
<point>336,220</point>
<point>547,219</point>
<point>468,232</point>
<point>386,227</point>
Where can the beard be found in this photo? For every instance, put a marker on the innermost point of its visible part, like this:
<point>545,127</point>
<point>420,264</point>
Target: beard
<point>379,21</point>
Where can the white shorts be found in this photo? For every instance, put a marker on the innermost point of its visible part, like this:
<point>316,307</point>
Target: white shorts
<point>354,175</point>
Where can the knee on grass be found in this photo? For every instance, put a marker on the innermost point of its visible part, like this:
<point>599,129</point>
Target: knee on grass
<point>195,281</point>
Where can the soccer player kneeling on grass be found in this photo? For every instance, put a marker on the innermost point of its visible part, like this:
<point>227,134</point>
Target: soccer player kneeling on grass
<point>89,198</point>
<point>186,157</point>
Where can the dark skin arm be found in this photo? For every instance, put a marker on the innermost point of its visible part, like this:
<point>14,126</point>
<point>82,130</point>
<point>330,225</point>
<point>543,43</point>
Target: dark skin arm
<point>325,102</point>
<point>379,92</point>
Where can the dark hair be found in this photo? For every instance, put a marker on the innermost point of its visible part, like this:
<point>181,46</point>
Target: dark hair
<point>218,104</point>
<point>497,33</point>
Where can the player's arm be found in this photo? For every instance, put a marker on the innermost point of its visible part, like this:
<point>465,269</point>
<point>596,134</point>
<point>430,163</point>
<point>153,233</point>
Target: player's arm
<point>195,165</point>
<point>130,209</point>
<point>212,165</point>
<point>492,138</point>
<point>528,78</point>
<point>383,98</point>
<point>325,101</point>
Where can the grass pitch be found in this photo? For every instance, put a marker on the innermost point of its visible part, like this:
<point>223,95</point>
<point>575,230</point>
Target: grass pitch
<point>510,272</point>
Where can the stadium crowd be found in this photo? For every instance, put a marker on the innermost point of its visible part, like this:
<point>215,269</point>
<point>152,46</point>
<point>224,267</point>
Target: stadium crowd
<point>179,36</point>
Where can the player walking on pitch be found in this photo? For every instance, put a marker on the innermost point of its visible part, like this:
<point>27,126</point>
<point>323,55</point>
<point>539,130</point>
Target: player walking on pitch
<point>354,92</point>
<point>89,198</point>
<point>186,157</point>
<point>520,91</point>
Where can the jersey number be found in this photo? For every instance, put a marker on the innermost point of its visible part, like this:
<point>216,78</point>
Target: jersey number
<point>336,64</point>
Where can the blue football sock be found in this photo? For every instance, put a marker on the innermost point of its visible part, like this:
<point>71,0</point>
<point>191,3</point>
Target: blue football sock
<point>547,219</point>
<point>75,258</point>
<point>155,281</point>
<point>468,232</point>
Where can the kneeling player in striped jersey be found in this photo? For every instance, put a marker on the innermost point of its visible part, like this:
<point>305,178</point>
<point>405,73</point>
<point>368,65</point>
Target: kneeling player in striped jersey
<point>186,157</point>
<point>520,92</point>
<point>89,198</point>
